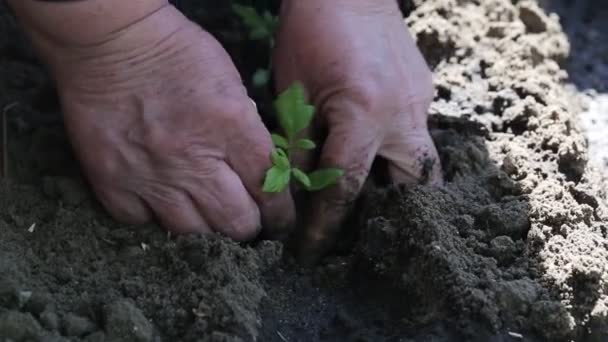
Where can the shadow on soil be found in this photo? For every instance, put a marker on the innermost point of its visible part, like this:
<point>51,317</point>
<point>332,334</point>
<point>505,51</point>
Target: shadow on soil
<point>584,22</point>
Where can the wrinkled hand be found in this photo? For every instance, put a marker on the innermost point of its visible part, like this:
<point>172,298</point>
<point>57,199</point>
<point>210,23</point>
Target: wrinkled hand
<point>372,89</point>
<point>163,127</point>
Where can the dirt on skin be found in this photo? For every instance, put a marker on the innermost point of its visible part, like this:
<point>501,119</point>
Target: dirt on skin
<point>512,248</point>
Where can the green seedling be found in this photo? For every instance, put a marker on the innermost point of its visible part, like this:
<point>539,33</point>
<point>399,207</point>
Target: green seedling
<point>295,114</point>
<point>262,27</point>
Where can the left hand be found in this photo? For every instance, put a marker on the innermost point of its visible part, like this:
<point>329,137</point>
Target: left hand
<point>372,89</point>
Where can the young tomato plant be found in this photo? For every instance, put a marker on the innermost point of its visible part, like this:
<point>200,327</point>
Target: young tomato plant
<point>295,114</point>
<point>262,27</point>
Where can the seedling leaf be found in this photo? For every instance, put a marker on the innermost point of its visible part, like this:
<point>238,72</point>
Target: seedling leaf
<point>279,159</point>
<point>323,178</point>
<point>301,177</point>
<point>259,33</point>
<point>277,179</point>
<point>306,144</point>
<point>272,21</point>
<point>294,115</point>
<point>267,16</point>
<point>280,141</point>
<point>258,27</point>
<point>294,112</point>
<point>261,77</point>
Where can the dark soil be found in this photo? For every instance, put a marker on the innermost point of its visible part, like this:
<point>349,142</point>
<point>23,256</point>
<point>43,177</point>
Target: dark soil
<point>513,248</point>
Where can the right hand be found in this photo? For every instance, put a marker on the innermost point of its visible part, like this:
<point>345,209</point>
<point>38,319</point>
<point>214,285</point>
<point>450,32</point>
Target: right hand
<point>163,127</point>
<point>372,89</point>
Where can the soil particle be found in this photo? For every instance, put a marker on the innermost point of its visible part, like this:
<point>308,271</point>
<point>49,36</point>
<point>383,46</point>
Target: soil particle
<point>503,249</point>
<point>517,296</point>
<point>18,326</point>
<point>77,326</point>
<point>553,318</point>
<point>9,294</point>
<point>96,337</point>
<point>504,219</point>
<point>532,16</point>
<point>49,320</point>
<point>38,302</point>
<point>125,322</point>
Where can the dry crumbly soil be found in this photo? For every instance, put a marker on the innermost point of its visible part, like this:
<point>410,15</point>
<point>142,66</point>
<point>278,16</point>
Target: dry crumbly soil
<point>513,246</point>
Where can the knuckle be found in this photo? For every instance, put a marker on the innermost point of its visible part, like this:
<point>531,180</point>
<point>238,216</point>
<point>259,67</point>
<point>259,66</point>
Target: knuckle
<point>239,114</point>
<point>234,110</point>
<point>157,142</point>
<point>367,94</point>
<point>234,105</point>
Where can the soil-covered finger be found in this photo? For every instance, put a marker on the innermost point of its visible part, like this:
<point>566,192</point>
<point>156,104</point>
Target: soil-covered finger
<point>412,158</point>
<point>226,204</point>
<point>249,157</point>
<point>352,152</point>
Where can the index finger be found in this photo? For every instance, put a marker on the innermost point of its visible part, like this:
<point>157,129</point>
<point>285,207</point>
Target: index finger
<point>249,156</point>
<point>352,148</point>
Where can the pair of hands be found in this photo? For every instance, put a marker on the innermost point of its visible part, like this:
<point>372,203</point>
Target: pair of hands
<point>164,128</point>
